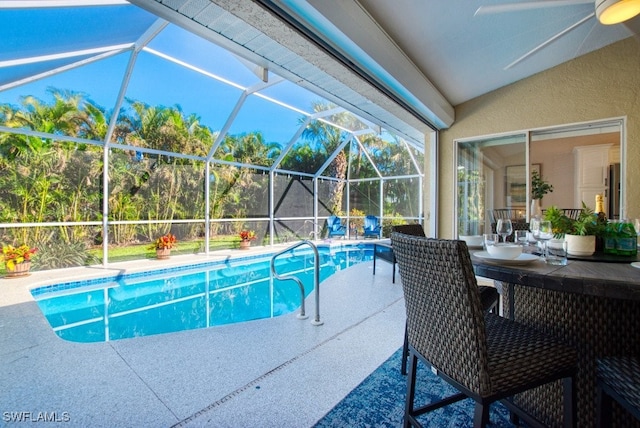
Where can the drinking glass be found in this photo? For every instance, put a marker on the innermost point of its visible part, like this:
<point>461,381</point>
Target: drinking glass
<point>557,252</point>
<point>504,228</point>
<point>521,237</point>
<point>489,239</point>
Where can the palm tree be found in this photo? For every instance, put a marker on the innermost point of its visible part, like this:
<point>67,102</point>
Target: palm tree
<point>320,142</point>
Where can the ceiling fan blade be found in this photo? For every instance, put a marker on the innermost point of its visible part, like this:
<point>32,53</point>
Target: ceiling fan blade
<point>550,40</point>
<point>516,7</point>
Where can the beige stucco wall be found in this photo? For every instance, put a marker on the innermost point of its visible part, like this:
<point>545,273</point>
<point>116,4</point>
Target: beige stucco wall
<point>603,84</point>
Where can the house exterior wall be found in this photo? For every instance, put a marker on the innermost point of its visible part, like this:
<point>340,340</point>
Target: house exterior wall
<point>600,85</point>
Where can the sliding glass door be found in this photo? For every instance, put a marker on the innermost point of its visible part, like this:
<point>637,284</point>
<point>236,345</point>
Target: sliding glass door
<point>491,174</point>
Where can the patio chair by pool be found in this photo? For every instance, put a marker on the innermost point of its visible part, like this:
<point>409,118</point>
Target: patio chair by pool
<point>372,227</point>
<point>489,296</point>
<point>484,356</point>
<point>335,226</point>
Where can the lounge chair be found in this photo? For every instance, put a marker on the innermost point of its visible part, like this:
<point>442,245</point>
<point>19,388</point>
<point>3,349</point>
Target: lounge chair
<point>372,227</point>
<point>336,227</point>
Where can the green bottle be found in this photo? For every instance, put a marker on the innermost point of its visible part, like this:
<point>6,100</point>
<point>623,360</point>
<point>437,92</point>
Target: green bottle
<point>610,238</point>
<point>627,242</point>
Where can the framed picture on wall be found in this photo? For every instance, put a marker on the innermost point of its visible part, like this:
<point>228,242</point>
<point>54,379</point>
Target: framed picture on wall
<point>516,184</point>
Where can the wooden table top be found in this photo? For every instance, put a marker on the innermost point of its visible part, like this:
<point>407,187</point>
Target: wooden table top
<point>613,280</point>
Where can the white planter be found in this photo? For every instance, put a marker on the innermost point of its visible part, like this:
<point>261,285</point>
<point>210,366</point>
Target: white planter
<point>580,245</point>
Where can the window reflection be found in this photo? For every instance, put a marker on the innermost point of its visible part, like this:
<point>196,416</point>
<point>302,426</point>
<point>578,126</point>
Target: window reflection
<point>491,174</point>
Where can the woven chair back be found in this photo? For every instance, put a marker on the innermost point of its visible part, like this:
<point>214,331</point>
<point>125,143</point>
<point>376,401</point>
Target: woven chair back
<point>445,322</point>
<point>409,229</point>
<point>371,222</point>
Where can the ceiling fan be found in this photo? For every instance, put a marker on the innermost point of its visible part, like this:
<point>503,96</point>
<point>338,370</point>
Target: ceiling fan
<point>608,12</point>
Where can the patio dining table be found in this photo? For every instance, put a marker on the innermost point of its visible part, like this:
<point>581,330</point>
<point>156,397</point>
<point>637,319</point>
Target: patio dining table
<point>592,305</point>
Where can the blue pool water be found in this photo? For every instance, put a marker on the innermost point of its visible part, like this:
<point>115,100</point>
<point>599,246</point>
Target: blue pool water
<point>190,297</point>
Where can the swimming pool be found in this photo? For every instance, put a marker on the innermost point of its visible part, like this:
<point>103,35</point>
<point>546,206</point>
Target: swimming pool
<point>189,297</point>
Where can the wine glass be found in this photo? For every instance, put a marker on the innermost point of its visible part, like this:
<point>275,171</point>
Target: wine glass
<point>542,231</point>
<point>504,228</point>
<point>534,226</point>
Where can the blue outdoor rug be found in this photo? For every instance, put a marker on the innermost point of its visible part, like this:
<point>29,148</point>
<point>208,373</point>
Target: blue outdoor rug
<point>379,401</point>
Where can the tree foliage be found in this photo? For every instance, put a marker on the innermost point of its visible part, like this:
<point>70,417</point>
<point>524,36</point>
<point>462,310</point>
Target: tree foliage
<point>46,179</point>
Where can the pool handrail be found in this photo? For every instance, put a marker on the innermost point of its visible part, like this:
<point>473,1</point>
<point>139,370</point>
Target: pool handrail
<point>316,278</point>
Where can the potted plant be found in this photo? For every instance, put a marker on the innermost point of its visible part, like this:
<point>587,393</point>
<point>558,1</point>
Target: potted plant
<point>163,245</point>
<point>246,236</point>
<point>580,233</point>
<point>17,260</point>
<point>539,188</point>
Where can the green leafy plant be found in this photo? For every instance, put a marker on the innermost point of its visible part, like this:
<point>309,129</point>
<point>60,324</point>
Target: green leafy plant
<point>58,254</point>
<point>587,223</point>
<point>539,187</point>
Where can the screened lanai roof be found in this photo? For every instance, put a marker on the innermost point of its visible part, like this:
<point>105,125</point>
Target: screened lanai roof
<point>115,52</point>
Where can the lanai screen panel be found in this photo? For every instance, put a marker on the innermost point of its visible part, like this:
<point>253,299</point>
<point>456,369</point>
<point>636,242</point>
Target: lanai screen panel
<point>293,207</point>
<point>401,197</point>
<point>165,115</point>
<point>293,95</point>
<point>365,197</point>
<point>272,124</point>
<point>49,181</point>
<point>204,56</point>
<point>32,32</point>
<point>332,197</point>
<point>348,121</point>
<point>418,156</point>
<point>360,165</point>
<point>293,196</point>
<point>95,84</point>
<point>317,144</point>
<point>238,192</point>
<point>154,187</point>
<point>389,154</point>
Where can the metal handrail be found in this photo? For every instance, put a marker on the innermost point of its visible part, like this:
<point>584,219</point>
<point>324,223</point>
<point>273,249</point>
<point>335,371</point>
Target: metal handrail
<point>314,233</point>
<point>316,278</point>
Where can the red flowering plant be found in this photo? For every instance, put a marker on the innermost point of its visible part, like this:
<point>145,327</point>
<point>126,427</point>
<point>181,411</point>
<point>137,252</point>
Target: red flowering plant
<point>13,256</point>
<point>164,242</point>
<point>247,235</point>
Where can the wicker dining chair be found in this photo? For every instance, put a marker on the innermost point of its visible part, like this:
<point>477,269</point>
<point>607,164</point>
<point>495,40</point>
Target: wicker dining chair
<point>485,356</point>
<point>489,296</point>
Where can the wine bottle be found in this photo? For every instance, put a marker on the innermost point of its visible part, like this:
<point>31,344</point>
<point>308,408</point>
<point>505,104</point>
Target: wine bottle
<point>600,208</point>
<point>602,221</point>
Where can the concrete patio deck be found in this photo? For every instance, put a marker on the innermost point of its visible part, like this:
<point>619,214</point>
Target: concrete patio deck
<point>279,372</point>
